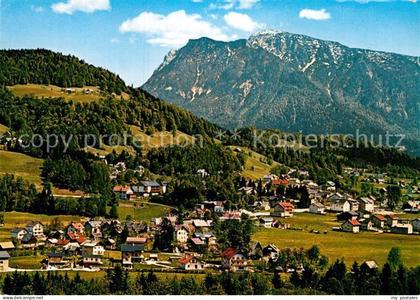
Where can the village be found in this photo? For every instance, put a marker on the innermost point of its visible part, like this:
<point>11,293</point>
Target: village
<point>100,243</point>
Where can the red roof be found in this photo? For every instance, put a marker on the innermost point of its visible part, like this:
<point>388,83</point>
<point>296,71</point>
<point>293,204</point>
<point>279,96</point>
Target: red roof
<point>354,222</point>
<point>80,239</point>
<point>392,217</point>
<point>280,182</point>
<point>120,188</point>
<point>62,242</point>
<point>186,259</point>
<point>78,226</point>
<point>379,217</point>
<point>286,206</point>
<point>229,253</point>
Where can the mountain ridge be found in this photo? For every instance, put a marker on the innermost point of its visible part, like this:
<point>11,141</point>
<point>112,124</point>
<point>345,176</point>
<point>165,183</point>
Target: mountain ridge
<point>296,78</point>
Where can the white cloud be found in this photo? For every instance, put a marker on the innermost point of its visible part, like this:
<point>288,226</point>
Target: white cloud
<point>313,14</point>
<point>114,41</point>
<point>86,6</point>
<point>241,22</point>
<point>230,4</point>
<point>197,1</point>
<point>174,29</point>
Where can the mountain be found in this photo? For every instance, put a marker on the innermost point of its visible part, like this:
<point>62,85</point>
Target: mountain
<point>293,82</point>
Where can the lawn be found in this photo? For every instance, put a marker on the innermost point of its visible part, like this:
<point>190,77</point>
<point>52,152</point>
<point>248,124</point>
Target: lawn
<point>255,165</point>
<point>144,213</point>
<point>21,165</point>
<point>19,219</point>
<point>26,262</point>
<point>334,244</point>
<point>3,129</point>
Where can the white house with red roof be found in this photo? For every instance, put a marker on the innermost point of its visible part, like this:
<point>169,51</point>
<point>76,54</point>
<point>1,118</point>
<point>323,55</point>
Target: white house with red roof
<point>191,263</point>
<point>123,192</point>
<point>234,260</point>
<point>283,209</point>
<point>351,225</point>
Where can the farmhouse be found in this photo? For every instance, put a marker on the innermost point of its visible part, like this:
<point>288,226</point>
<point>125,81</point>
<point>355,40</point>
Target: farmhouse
<point>149,188</point>
<point>18,233</point>
<point>317,208</point>
<point>92,254</point>
<point>124,192</point>
<point>235,261</point>
<point>340,205</point>
<point>266,222</point>
<point>391,220</point>
<point>402,229</point>
<point>283,209</point>
<point>366,204</point>
<point>378,221</point>
<point>35,228</point>
<point>189,262</point>
<point>4,261</point>
<point>351,226</point>
<point>131,254</point>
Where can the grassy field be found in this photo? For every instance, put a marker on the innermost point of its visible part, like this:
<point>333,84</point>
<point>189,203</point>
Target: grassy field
<point>334,244</point>
<point>26,262</point>
<point>18,219</point>
<point>143,213</point>
<point>256,165</point>
<point>21,165</point>
<point>161,138</point>
<point>105,150</point>
<point>3,129</point>
<point>77,94</point>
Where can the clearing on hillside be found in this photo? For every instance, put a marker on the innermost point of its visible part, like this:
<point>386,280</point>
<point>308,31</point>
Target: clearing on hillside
<point>83,95</point>
<point>3,129</point>
<point>161,138</point>
<point>21,165</point>
<point>256,165</point>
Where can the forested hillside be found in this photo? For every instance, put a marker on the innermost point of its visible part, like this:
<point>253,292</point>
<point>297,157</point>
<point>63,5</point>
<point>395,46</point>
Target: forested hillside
<point>47,67</point>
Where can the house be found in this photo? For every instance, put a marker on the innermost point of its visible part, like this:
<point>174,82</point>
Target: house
<point>149,188</point>
<point>369,265</point>
<point>235,261</point>
<point>35,228</point>
<point>92,254</point>
<point>181,234</point>
<point>378,221</point>
<point>124,192</point>
<point>402,229</point>
<point>56,261</point>
<point>131,254</point>
<point>278,182</point>
<point>351,226</point>
<point>75,230</point>
<point>189,262</point>
<point>136,240</point>
<point>271,251</point>
<point>7,246</point>
<point>266,222</point>
<point>366,224</point>
<point>391,220</point>
<point>317,208</point>
<point>366,204</point>
<point>256,250</point>
<point>4,261</point>
<point>93,229</point>
<point>416,224</point>
<point>340,205</point>
<point>18,233</point>
<point>283,209</point>
<point>329,186</point>
<point>411,206</point>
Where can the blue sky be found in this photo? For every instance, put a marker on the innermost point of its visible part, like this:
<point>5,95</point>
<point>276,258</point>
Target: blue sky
<point>131,37</point>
